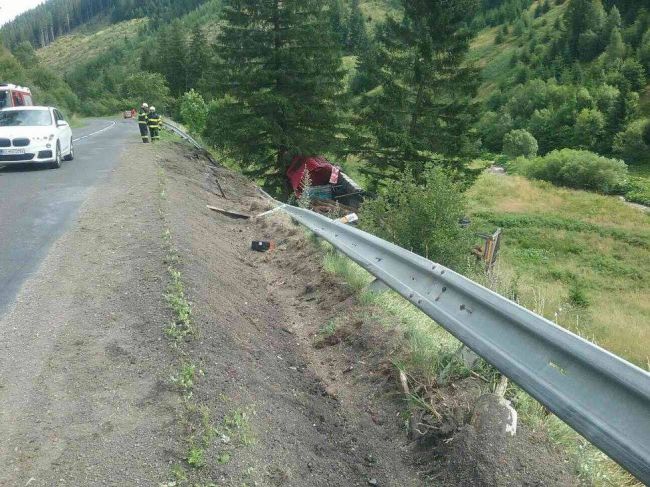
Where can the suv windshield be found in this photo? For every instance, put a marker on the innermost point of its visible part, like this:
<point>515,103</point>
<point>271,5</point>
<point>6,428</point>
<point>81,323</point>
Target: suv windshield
<point>25,118</point>
<point>4,97</point>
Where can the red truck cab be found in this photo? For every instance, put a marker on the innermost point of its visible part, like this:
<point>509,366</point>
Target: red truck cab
<point>15,96</point>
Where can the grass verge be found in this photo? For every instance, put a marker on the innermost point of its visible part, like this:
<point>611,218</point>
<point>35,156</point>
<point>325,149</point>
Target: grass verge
<point>429,351</point>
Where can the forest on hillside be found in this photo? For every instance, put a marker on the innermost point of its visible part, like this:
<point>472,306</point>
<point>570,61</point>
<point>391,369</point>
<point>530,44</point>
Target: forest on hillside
<point>392,90</point>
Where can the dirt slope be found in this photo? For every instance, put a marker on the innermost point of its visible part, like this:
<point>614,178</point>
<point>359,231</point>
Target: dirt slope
<point>94,392</point>
<point>254,319</point>
<point>85,367</point>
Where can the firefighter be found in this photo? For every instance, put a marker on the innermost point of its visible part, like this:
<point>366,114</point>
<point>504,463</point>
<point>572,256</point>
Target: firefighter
<point>143,119</point>
<point>154,122</point>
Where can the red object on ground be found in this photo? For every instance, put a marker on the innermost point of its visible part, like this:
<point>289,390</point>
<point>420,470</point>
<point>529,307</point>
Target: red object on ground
<point>320,170</point>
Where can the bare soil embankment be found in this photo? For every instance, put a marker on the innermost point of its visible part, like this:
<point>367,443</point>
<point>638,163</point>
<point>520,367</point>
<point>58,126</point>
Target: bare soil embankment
<point>89,383</point>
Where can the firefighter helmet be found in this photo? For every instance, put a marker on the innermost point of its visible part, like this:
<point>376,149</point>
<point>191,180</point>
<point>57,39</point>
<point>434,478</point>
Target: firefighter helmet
<point>152,109</point>
<point>145,105</point>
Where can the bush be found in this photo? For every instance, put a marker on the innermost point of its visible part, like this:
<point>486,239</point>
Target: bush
<point>194,112</point>
<point>423,218</point>
<point>519,143</point>
<point>578,169</point>
<point>638,191</point>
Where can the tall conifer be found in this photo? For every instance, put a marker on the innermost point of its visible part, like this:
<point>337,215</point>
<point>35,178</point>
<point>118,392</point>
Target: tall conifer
<point>280,65</point>
<point>423,105</point>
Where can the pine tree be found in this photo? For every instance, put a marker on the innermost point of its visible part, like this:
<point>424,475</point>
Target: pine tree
<point>616,48</point>
<point>367,76</point>
<point>358,36</point>
<point>282,74</point>
<point>423,106</point>
<point>171,58</point>
<point>580,17</point>
<point>614,21</point>
<point>198,62</point>
<point>339,22</point>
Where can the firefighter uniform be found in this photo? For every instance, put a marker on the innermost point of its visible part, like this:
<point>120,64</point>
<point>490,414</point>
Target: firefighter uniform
<point>154,122</point>
<point>143,122</point>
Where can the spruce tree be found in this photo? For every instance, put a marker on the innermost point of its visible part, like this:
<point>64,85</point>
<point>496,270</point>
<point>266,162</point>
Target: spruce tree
<point>358,36</point>
<point>424,105</point>
<point>281,70</point>
<point>171,58</point>
<point>615,51</point>
<point>198,62</point>
<point>339,21</point>
<point>581,17</point>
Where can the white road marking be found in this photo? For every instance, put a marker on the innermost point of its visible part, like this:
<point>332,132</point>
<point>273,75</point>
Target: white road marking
<point>95,133</point>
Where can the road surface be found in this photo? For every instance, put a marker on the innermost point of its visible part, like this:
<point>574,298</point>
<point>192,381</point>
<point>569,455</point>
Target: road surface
<point>36,204</point>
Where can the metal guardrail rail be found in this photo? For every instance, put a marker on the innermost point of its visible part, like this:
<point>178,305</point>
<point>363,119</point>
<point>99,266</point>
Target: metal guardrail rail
<point>603,397</point>
<point>600,395</point>
<point>182,134</point>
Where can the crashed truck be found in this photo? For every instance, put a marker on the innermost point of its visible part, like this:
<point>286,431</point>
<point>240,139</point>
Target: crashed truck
<point>330,187</point>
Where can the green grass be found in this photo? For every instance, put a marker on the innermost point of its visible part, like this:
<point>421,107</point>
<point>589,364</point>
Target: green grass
<point>428,352</point>
<point>376,11</point>
<point>237,425</point>
<point>196,457</point>
<point>586,255</point>
<point>494,59</point>
<point>186,376</point>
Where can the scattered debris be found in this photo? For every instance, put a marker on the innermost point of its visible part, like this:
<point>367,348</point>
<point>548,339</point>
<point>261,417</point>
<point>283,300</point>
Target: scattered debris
<point>262,245</point>
<point>350,218</point>
<point>490,251</point>
<point>231,214</point>
<point>271,211</point>
<point>498,170</point>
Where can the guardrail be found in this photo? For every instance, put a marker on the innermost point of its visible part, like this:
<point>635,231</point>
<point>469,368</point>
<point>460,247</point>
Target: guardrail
<point>600,395</point>
<point>182,134</point>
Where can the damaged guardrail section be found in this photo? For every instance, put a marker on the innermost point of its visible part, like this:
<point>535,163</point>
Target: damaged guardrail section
<point>601,396</point>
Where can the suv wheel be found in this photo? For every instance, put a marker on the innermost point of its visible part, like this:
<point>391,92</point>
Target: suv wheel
<point>70,155</point>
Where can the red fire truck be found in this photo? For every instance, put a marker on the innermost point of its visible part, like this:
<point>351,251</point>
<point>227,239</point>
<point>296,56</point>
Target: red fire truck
<point>15,96</point>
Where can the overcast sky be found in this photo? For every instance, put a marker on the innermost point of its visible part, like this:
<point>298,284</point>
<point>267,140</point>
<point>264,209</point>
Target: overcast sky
<point>10,8</point>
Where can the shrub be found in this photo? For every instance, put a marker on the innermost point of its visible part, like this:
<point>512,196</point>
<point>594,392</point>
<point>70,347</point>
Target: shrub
<point>638,191</point>
<point>423,218</point>
<point>519,143</point>
<point>194,111</point>
<point>579,169</point>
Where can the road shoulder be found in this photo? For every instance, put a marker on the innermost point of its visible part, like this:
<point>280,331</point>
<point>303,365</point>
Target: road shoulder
<point>84,396</point>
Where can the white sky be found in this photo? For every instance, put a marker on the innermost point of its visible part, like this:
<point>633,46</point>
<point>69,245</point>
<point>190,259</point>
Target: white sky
<point>10,8</point>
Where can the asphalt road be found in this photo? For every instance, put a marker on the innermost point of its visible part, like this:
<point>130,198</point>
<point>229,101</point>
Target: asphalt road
<point>37,204</point>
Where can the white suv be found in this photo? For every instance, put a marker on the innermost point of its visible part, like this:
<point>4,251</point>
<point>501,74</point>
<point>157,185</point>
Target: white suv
<point>34,135</point>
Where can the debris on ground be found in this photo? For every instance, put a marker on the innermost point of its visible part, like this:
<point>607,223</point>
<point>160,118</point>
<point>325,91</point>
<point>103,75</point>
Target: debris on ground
<point>262,245</point>
<point>350,218</point>
<point>230,213</point>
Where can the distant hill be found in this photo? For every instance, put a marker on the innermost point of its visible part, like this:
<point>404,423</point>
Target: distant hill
<point>540,72</point>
